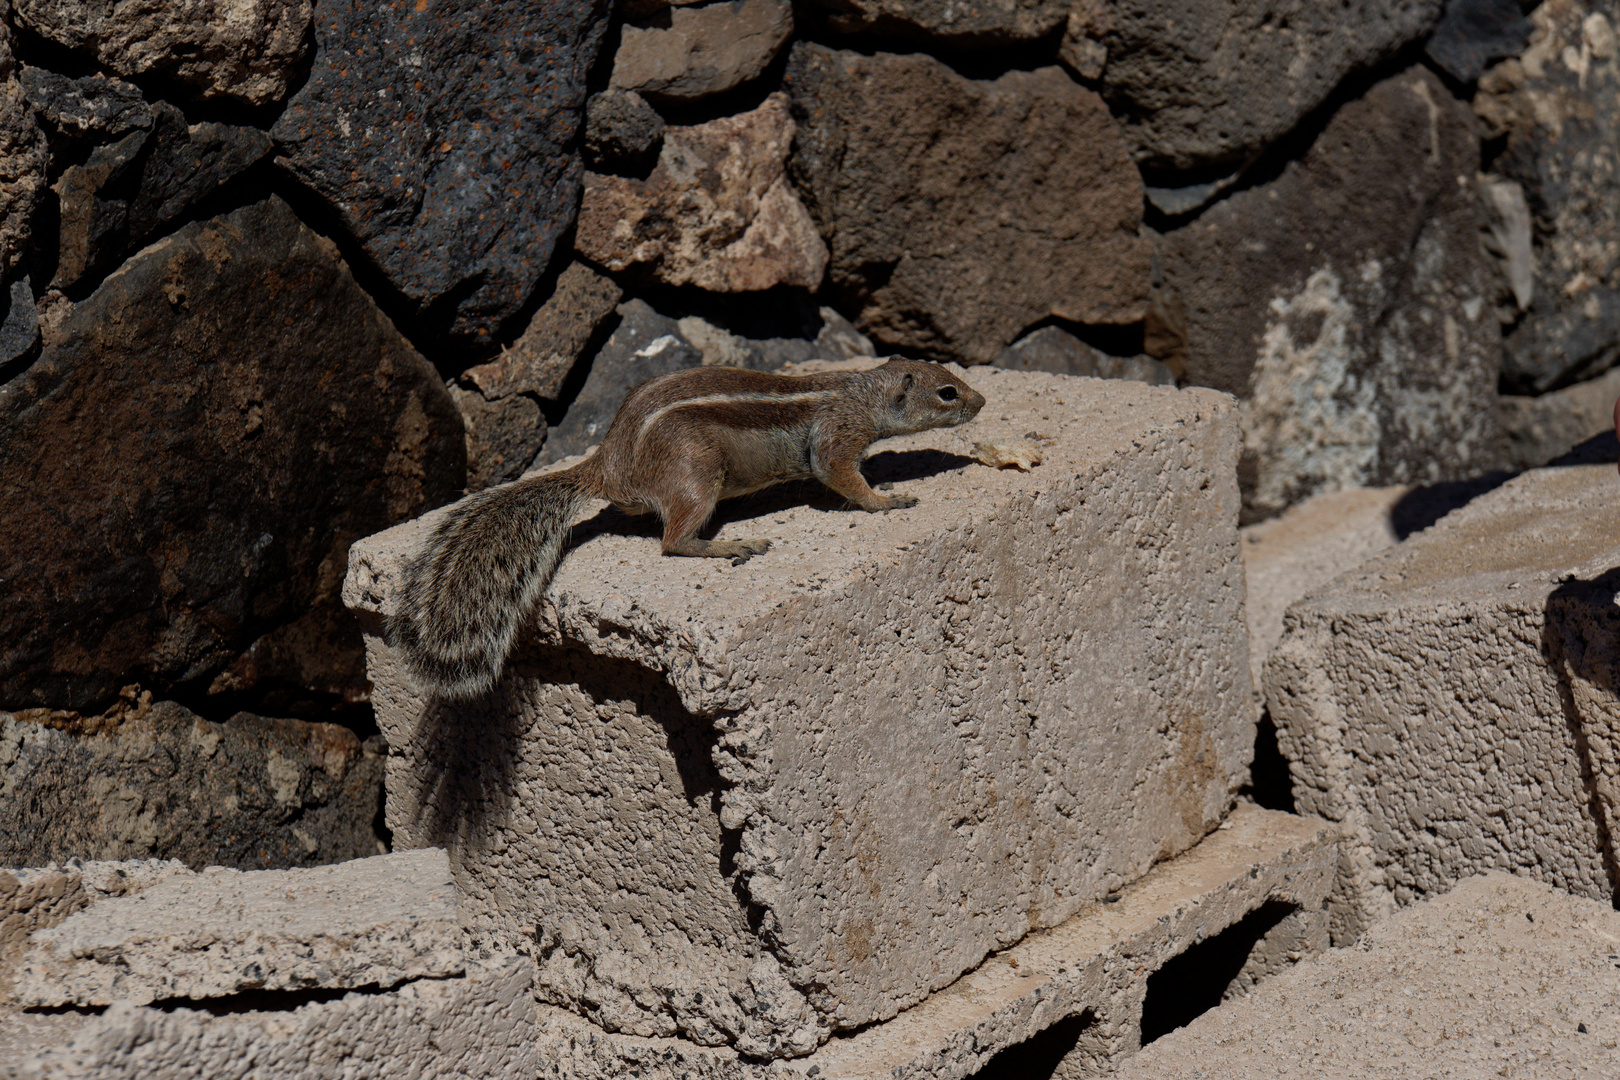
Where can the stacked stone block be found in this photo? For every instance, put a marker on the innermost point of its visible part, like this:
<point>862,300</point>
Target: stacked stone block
<point>1452,702</point>
<point>756,806</point>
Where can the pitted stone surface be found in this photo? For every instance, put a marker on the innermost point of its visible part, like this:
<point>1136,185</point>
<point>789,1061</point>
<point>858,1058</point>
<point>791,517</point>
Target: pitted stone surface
<point>1098,961</point>
<point>380,921</point>
<point>1453,704</point>
<point>933,730</point>
<point>480,1027</point>
<point>1352,314</point>
<point>1291,556</point>
<point>244,49</point>
<point>1499,977</point>
<point>443,137</point>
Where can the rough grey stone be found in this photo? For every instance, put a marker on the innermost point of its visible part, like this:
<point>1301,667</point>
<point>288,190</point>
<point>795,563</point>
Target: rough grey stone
<point>157,781</point>
<point>1353,315</point>
<point>127,191</point>
<point>379,921</point>
<point>750,808</point>
<point>248,50</point>
<point>1092,969</point>
<point>94,106</point>
<point>1500,976</point>
<point>1535,430</point>
<point>622,132</point>
<point>1055,350</point>
<point>912,173</point>
<point>1452,703</point>
<point>951,23</point>
<point>718,212</point>
<point>1207,83</point>
<point>183,468</point>
<point>23,159</point>
<point>19,326</point>
<point>644,345</point>
<point>503,435</point>
<point>1557,109</point>
<point>693,52</point>
<point>444,137</point>
<point>1472,33</point>
<point>837,339</point>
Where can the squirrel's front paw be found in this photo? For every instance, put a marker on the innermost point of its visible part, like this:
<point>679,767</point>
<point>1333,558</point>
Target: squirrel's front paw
<point>743,550</point>
<point>896,502</point>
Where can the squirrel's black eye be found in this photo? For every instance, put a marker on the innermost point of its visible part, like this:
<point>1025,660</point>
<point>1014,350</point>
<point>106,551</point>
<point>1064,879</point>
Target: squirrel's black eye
<point>900,401</point>
<point>947,393</point>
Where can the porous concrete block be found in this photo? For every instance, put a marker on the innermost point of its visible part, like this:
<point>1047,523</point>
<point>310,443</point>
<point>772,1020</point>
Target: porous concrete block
<point>370,922</point>
<point>1288,557</point>
<point>754,805</point>
<point>1095,967</point>
<point>1452,703</point>
<point>1499,977</point>
<point>476,1027</point>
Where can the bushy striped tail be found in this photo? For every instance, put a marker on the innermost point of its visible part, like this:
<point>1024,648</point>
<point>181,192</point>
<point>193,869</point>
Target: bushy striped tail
<point>474,584</point>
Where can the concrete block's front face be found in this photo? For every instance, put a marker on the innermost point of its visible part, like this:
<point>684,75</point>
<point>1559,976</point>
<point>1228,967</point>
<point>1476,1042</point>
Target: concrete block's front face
<point>752,805</point>
<point>1453,702</point>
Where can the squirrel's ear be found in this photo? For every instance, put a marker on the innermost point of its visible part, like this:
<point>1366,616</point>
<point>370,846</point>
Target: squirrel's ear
<point>907,382</point>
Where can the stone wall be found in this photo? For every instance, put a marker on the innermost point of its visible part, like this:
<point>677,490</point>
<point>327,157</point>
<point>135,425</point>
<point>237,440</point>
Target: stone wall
<point>279,277</point>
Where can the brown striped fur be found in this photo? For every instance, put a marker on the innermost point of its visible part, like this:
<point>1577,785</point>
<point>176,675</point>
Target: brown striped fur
<point>678,445</point>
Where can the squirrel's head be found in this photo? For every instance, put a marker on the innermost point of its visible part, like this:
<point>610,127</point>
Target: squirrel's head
<point>920,395</point>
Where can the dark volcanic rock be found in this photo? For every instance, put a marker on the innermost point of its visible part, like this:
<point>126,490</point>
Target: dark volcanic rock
<point>155,781</point>
<point>503,436</point>
<point>92,107</point>
<point>184,467</point>
<point>645,345</point>
<point>954,23</point>
<point>1210,82</point>
<point>693,52</point>
<point>443,135</point>
<point>1054,349</point>
<point>247,49</point>
<point>19,325</point>
<point>1557,109</point>
<point>622,132</point>
<point>23,159</point>
<point>1472,33</point>
<point>960,213</point>
<point>126,191</point>
<point>557,336</point>
<point>1352,312</point>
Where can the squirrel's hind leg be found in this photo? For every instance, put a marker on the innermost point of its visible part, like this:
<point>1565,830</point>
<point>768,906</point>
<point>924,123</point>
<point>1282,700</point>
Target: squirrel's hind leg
<point>687,507</point>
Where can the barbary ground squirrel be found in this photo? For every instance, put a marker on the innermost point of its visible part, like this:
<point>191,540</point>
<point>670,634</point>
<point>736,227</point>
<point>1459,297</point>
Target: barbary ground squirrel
<point>678,445</point>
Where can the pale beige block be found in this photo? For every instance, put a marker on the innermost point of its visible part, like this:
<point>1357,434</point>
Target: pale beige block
<point>1452,703</point>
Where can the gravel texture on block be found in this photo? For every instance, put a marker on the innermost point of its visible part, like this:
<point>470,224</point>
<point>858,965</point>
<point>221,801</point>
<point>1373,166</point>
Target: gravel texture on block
<point>894,744</point>
<point>476,1027</point>
<point>1093,968</point>
<point>1453,704</point>
<point>1500,977</point>
<point>369,922</point>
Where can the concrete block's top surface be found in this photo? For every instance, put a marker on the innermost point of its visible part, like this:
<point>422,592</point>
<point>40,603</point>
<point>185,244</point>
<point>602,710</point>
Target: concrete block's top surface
<point>618,596</point>
<point>376,921</point>
<point>1532,533</point>
<point>1499,977</point>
